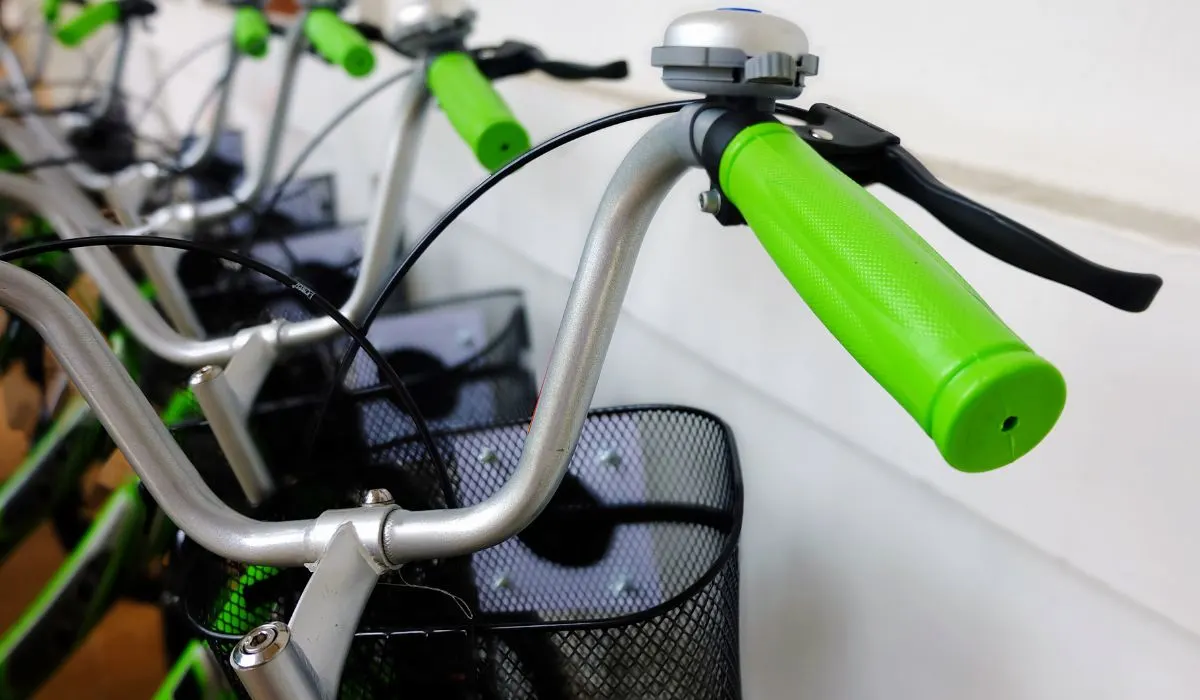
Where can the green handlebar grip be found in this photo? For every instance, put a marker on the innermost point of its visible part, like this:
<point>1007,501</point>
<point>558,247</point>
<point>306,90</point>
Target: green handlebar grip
<point>88,21</point>
<point>50,10</point>
<point>251,32</point>
<point>476,110</point>
<point>338,42</point>
<point>900,310</point>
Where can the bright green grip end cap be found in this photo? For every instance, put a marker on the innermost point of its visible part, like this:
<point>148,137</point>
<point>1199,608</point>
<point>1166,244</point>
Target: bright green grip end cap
<point>900,310</point>
<point>476,110</point>
<point>87,22</point>
<point>339,43</point>
<point>251,32</point>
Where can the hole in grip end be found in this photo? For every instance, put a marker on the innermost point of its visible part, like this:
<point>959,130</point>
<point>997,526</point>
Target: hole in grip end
<point>995,409</point>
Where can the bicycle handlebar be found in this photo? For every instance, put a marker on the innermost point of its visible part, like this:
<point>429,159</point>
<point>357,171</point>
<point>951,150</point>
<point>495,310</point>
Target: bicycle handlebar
<point>89,20</point>
<point>251,31</point>
<point>338,42</point>
<point>900,310</point>
<point>476,110</point>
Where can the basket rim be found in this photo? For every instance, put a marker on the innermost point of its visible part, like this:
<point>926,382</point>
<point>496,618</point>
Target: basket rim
<point>728,551</point>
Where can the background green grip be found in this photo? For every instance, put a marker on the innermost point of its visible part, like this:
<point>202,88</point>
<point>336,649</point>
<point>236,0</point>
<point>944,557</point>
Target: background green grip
<point>50,9</point>
<point>251,32</point>
<point>476,110</point>
<point>900,310</point>
<point>338,42</point>
<point>89,19</point>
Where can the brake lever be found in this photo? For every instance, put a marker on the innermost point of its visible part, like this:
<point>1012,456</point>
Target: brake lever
<point>517,57</point>
<point>870,155</point>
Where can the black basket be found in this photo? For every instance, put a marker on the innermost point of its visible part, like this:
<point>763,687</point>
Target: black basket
<point>624,587</point>
<point>462,360</point>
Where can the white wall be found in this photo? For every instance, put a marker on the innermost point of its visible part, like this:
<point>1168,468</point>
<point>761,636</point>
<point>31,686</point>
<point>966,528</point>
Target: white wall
<point>870,568</point>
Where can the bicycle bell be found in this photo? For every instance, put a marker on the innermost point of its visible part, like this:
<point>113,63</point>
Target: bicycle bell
<point>735,52</point>
<point>415,27</point>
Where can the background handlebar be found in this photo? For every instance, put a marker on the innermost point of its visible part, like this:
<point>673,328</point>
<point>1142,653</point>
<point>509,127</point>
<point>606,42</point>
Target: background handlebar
<point>476,110</point>
<point>900,310</point>
<point>251,31</point>
<point>338,42</point>
<point>90,19</point>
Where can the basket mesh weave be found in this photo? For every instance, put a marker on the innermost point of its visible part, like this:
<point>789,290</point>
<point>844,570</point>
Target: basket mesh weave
<point>624,587</point>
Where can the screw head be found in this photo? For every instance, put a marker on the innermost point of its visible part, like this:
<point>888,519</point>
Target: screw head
<point>710,202</point>
<point>378,497</point>
<point>204,375</point>
<point>821,134</point>
<point>259,639</point>
<point>259,646</point>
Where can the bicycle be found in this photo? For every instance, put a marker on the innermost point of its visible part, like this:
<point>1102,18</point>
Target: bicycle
<point>979,392</point>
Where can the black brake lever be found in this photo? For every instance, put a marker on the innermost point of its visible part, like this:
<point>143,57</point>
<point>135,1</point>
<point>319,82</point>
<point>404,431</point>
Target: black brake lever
<point>869,155</point>
<point>563,70</point>
<point>517,57</point>
<point>1014,243</point>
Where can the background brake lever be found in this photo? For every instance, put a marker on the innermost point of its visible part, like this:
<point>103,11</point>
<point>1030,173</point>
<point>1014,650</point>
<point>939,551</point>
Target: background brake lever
<point>617,70</point>
<point>1005,239</point>
<point>517,57</point>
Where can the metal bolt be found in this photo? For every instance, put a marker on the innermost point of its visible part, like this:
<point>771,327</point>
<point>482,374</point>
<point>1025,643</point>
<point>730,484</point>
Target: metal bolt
<point>259,639</point>
<point>466,338</point>
<point>204,375</point>
<point>488,456</point>
<point>378,497</point>
<point>609,457</point>
<point>821,134</point>
<point>623,586</point>
<point>710,202</point>
<point>501,582</point>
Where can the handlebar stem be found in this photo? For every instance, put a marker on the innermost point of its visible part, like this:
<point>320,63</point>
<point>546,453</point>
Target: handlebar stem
<point>205,145</point>
<point>179,219</point>
<point>112,94</point>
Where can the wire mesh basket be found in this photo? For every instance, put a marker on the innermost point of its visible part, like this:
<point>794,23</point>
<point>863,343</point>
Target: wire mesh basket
<point>461,359</point>
<point>624,587</point>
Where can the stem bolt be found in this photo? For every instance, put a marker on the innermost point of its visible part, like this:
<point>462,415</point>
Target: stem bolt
<point>378,497</point>
<point>821,134</point>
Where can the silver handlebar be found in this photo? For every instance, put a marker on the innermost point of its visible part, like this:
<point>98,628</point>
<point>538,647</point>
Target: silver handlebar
<point>73,216</point>
<point>139,432</point>
<point>392,536</point>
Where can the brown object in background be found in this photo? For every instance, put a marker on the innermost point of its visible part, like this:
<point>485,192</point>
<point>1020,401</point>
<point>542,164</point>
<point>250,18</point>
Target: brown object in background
<point>283,7</point>
<point>123,656</point>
